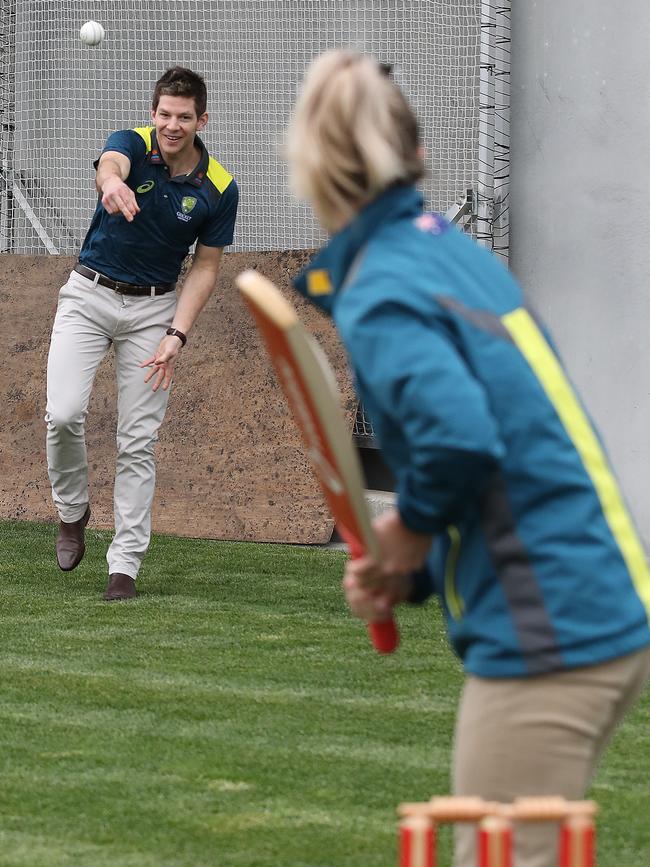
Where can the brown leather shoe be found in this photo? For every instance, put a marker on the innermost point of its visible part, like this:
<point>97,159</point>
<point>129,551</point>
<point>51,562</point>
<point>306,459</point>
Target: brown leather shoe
<point>70,543</point>
<point>120,586</point>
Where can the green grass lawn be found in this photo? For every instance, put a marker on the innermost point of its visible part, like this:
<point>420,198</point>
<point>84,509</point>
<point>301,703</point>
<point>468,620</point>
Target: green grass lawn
<point>234,714</point>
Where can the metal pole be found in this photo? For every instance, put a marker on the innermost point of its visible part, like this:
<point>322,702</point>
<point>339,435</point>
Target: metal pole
<point>7,119</point>
<point>501,222</point>
<point>485,197</point>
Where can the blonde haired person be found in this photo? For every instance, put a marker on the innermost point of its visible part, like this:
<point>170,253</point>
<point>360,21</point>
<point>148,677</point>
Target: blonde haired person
<point>348,144</point>
<point>507,507</point>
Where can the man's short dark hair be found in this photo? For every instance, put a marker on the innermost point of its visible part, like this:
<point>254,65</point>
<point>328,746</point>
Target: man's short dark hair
<point>179,81</point>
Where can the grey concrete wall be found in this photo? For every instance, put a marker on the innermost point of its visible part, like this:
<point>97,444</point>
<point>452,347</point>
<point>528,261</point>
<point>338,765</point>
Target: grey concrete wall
<point>580,186</point>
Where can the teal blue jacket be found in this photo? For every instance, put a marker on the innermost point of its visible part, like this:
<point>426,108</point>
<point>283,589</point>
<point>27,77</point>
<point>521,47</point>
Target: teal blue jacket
<point>536,559</point>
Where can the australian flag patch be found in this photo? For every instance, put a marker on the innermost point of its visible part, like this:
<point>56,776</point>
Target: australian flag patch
<point>434,224</point>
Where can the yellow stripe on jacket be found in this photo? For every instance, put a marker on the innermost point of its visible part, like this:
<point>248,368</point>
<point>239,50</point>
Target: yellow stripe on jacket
<point>541,358</point>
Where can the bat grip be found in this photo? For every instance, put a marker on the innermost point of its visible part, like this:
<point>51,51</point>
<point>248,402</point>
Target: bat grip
<point>384,634</point>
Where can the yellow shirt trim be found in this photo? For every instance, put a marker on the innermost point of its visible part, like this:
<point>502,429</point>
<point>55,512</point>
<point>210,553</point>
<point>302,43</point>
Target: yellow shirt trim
<point>218,175</point>
<point>145,133</point>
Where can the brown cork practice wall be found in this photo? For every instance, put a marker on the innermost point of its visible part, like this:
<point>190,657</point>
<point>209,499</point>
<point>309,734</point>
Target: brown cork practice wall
<point>230,464</point>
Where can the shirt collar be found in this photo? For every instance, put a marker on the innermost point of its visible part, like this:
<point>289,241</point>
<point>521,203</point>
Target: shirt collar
<point>322,279</point>
<point>196,176</point>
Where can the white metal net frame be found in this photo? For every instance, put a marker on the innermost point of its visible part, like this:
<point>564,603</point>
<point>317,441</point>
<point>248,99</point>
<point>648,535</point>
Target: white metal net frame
<point>491,207</point>
<point>59,100</point>
<point>7,120</point>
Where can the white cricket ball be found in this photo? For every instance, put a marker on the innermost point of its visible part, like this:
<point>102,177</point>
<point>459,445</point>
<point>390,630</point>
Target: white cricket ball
<point>92,33</point>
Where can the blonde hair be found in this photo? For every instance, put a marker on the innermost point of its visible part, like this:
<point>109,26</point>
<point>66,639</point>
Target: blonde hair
<point>352,135</point>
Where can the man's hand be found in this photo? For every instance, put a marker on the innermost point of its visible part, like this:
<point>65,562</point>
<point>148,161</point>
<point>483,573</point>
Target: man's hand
<point>162,362</point>
<point>118,197</point>
<point>373,587</point>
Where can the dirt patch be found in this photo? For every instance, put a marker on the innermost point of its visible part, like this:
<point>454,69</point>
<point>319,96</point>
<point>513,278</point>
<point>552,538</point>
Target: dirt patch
<point>230,463</point>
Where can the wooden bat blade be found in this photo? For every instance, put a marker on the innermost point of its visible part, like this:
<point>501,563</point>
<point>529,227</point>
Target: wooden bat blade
<point>310,388</point>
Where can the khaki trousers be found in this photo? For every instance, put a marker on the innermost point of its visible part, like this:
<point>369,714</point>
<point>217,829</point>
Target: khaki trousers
<point>539,735</point>
<point>88,320</point>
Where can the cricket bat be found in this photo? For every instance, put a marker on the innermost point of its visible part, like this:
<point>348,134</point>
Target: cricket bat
<point>311,391</point>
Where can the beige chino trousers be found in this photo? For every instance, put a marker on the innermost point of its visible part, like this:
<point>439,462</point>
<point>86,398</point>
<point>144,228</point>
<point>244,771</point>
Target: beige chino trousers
<point>537,736</point>
<point>88,320</point>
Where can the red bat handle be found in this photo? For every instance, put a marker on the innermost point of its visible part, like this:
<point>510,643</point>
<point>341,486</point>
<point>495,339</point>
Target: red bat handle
<point>383,633</point>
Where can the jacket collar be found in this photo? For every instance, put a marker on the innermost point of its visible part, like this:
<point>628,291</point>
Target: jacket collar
<point>323,278</point>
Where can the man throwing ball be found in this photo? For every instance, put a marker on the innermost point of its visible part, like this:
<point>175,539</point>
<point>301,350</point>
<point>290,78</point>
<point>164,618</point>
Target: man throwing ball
<point>160,191</point>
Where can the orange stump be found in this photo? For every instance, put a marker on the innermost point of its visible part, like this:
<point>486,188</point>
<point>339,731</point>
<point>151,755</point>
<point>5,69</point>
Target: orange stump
<point>494,842</point>
<point>417,842</point>
<point>577,842</point>
<point>576,820</point>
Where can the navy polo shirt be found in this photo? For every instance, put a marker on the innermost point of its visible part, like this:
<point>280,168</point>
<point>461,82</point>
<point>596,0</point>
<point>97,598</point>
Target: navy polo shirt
<point>174,213</point>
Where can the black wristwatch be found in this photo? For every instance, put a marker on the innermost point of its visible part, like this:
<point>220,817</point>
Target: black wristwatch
<point>174,332</point>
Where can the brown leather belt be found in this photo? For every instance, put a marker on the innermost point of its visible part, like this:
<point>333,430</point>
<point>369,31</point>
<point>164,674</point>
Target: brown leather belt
<point>122,287</point>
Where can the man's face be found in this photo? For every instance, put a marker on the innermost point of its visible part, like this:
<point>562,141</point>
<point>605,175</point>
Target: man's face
<point>176,124</point>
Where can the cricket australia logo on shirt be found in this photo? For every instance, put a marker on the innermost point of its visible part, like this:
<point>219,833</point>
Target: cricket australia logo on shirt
<point>187,204</point>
